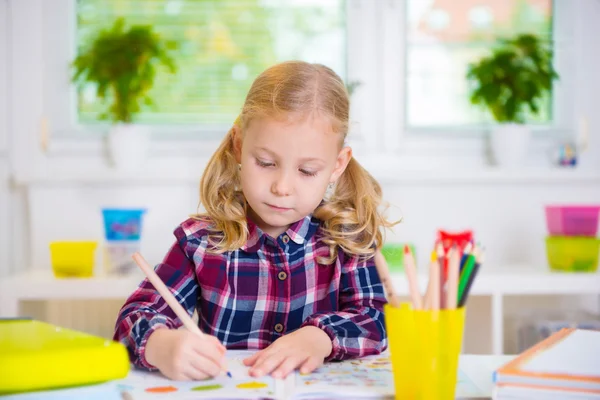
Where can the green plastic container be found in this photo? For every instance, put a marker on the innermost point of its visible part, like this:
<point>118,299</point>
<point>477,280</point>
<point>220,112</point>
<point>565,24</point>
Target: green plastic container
<point>572,253</point>
<point>394,255</point>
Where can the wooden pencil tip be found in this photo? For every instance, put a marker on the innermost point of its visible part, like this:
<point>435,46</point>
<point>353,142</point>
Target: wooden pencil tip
<point>440,250</point>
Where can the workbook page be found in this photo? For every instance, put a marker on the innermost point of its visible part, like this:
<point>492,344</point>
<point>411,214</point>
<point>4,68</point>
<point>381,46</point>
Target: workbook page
<point>239,385</point>
<point>368,377</point>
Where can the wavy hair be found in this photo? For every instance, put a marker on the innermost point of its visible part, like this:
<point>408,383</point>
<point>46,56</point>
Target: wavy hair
<point>351,215</point>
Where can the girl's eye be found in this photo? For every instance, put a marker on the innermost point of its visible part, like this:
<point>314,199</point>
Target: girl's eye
<point>308,173</point>
<point>263,164</point>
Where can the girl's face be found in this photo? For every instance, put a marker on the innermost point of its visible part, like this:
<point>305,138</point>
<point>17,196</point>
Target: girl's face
<point>286,167</point>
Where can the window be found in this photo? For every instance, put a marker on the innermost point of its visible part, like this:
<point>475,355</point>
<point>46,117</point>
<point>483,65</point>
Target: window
<point>443,37</point>
<point>222,46</point>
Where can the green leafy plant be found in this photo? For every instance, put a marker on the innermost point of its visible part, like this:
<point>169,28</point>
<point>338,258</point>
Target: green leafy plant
<point>122,64</point>
<point>513,79</point>
<point>352,86</point>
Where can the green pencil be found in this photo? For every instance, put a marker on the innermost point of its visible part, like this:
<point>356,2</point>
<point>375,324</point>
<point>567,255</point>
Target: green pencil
<point>464,276</point>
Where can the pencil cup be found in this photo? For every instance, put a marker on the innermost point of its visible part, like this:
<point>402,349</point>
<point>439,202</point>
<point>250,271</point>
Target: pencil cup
<point>424,346</point>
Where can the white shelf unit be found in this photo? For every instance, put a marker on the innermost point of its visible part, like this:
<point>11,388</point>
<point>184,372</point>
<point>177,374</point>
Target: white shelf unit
<point>495,283</point>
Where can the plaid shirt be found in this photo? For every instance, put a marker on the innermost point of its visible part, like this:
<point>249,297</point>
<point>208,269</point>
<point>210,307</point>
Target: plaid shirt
<point>252,296</point>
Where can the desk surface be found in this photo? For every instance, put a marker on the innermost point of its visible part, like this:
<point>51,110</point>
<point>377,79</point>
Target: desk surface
<point>475,382</point>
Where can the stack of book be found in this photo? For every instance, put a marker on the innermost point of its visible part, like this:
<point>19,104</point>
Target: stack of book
<point>564,366</point>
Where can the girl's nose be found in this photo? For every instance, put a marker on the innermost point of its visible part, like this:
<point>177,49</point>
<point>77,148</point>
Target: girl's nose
<point>283,185</point>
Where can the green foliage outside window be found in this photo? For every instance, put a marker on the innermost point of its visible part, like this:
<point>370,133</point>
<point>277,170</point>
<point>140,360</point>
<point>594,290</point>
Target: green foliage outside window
<point>514,80</point>
<point>222,46</point>
<point>120,62</point>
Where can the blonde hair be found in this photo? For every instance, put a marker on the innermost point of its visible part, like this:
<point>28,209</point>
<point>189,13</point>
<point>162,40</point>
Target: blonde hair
<point>351,217</point>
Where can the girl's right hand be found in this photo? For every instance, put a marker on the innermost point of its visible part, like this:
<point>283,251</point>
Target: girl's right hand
<point>182,355</point>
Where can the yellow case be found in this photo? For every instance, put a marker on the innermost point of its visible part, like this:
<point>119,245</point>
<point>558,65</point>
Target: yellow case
<point>35,355</point>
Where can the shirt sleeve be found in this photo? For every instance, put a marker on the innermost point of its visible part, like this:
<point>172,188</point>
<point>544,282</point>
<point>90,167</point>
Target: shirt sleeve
<point>358,328</point>
<point>146,310</point>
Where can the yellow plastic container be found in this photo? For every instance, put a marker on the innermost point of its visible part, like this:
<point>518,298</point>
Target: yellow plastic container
<point>425,347</point>
<point>35,355</point>
<point>572,253</point>
<point>73,259</point>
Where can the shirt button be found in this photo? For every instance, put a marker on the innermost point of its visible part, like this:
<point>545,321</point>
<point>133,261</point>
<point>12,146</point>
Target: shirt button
<point>285,239</point>
<point>282,276</point>
<point>278,328</point>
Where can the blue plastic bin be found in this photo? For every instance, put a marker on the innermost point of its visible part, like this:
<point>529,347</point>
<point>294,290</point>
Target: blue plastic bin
<point>123,224</point>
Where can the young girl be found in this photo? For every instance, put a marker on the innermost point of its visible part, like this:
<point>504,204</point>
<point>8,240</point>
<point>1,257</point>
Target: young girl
<point>282,259</point>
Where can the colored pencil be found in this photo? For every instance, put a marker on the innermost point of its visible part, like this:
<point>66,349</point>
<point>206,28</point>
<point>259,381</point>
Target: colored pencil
<point>478,262</point>
<point>411,274</point>
<point>427,300</point>
<point>167,295</point>
<point>169,298</point>
<point>384,275</point>
<point>442,274</point>
<point>465,274</point>
<point>434,278</point>
<point>452,284</point>
<point>468,249</point>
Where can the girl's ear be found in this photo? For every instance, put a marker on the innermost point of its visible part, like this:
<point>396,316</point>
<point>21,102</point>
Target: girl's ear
<point>236,138</point>
<point>344,157</point>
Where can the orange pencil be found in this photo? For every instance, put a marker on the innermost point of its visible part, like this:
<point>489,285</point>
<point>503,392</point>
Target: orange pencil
<point>411,274</point>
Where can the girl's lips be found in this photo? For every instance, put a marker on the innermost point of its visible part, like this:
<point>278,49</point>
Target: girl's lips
<point>278,208</point>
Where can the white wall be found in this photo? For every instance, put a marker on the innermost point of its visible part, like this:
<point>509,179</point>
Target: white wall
<point>73,212</point>
<point>507,217</point>
<point>5,244</point>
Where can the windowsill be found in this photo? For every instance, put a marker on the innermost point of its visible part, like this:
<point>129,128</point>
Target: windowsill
<point>389,176</point>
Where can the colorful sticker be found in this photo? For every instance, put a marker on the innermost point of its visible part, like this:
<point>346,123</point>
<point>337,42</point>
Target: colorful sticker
<point>161,389</point>
<point>251,385</point>
<point>208,387</point>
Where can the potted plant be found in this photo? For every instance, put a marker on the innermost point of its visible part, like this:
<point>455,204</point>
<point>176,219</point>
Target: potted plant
<point>122,63</point>
<point>509,84</point>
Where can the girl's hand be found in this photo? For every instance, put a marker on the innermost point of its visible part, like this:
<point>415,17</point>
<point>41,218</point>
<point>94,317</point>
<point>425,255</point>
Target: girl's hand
<point>305,349</point>
<point>182,355</point>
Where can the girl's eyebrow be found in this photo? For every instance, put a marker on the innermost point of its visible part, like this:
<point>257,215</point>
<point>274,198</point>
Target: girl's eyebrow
<point>271,153</point>
<point>305,159</point>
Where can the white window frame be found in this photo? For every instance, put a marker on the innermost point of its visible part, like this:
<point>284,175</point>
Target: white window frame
<point>43,126</point>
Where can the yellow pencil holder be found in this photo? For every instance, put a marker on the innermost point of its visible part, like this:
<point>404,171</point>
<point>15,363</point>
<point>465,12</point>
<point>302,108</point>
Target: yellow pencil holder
<point>73,259</point>
<point>424,347</point>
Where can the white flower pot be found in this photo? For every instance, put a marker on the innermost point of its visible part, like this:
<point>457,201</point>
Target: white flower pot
<point>510,144</point>
<point>128,146</point>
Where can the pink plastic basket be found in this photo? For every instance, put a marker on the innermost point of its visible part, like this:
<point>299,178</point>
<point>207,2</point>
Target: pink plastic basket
<point>572,220</point>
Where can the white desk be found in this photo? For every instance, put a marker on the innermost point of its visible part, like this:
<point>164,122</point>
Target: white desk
<point>477,368</point>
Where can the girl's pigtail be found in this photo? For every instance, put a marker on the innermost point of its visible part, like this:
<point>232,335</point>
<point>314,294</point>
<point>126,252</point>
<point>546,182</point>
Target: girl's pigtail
<point>351,217</point>
<point>222,199</point>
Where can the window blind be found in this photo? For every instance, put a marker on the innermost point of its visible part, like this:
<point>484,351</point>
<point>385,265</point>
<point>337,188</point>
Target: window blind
<point>222,45</point>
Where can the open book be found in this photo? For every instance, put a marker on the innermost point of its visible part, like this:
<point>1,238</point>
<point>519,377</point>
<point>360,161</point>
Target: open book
<point>365,378</point>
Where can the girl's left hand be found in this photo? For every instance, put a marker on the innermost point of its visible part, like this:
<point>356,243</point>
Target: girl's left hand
<point>305,349</point>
